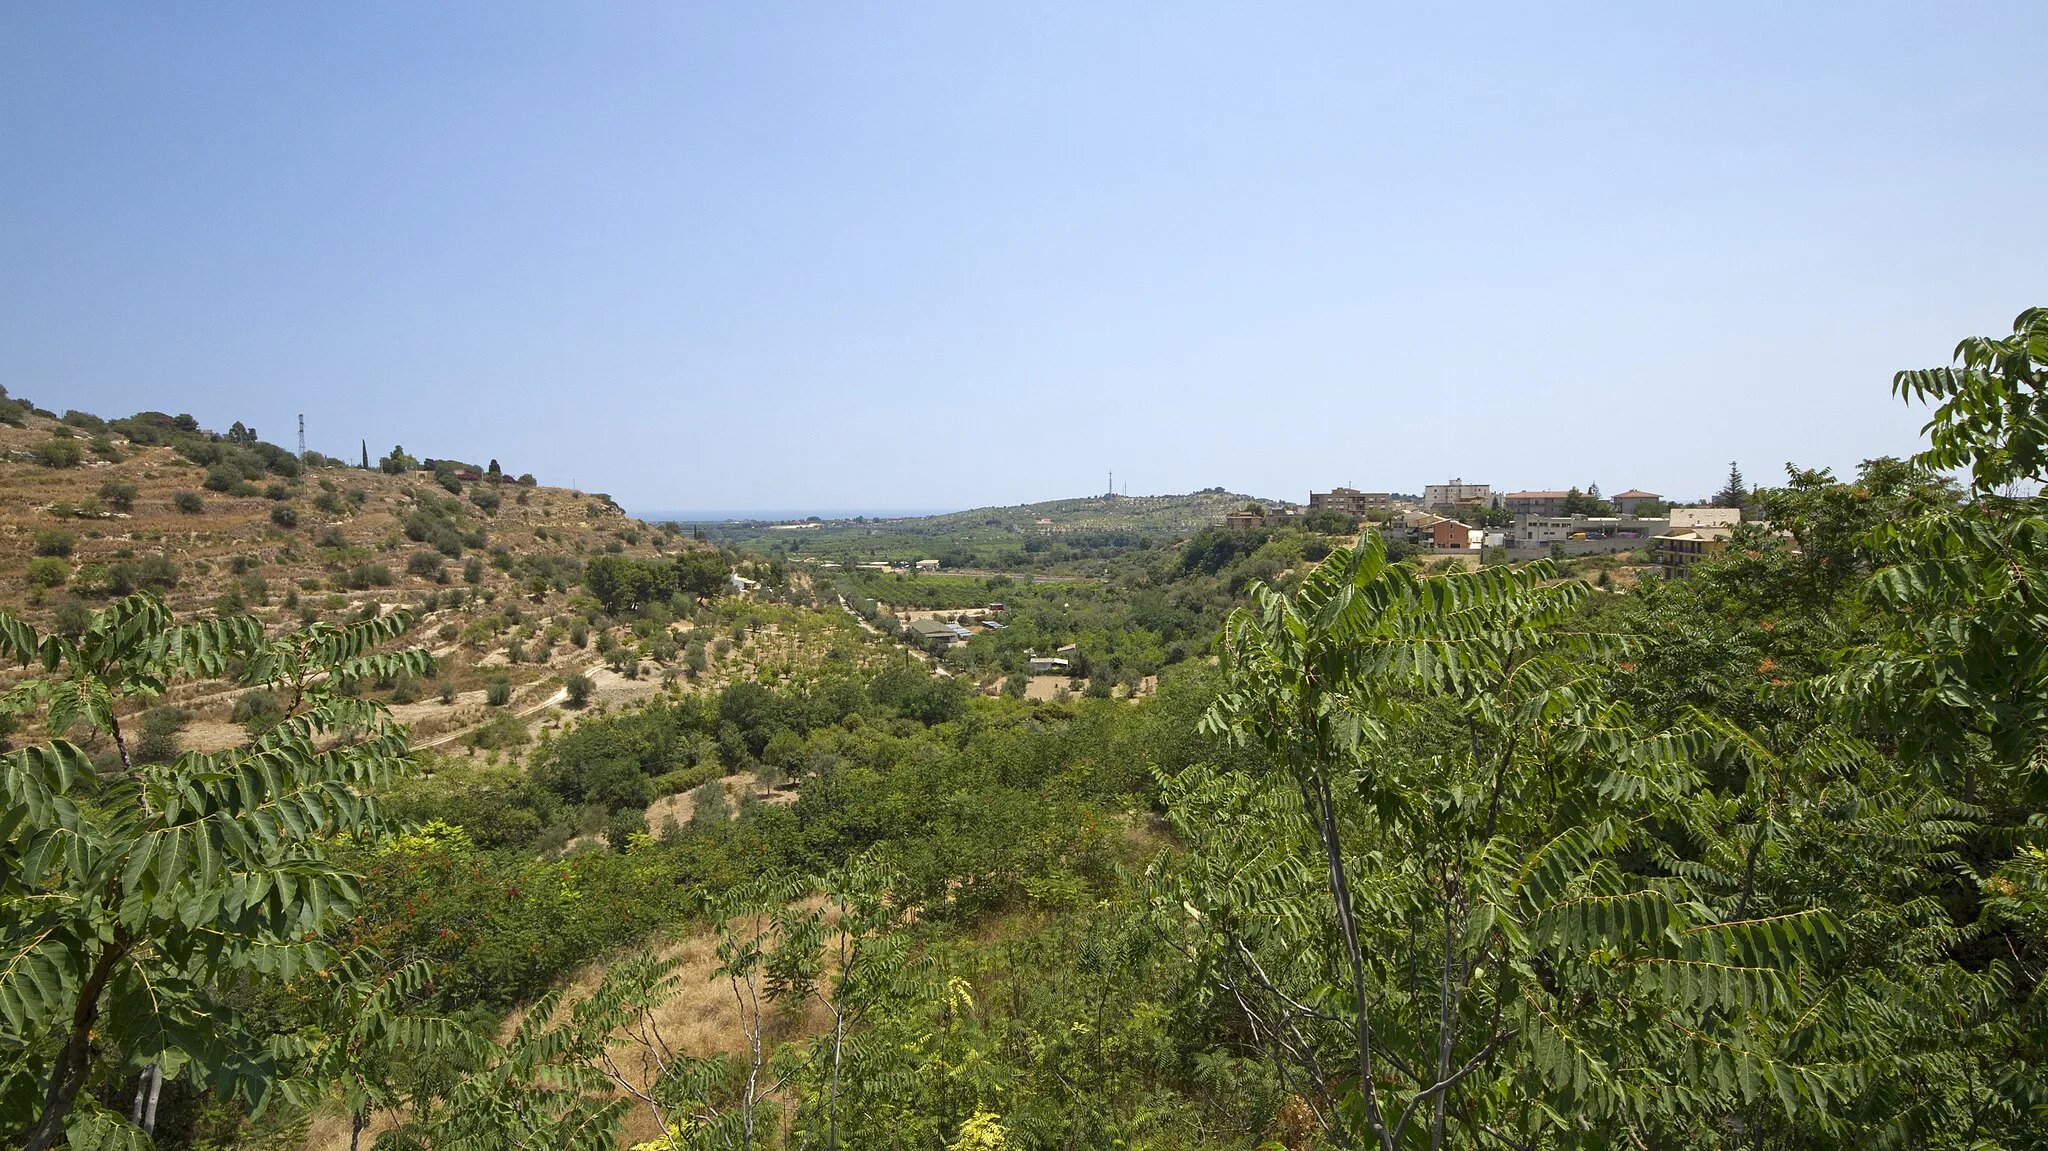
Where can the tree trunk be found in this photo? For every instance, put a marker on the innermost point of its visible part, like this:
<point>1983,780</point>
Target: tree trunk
<point>148,1086</point>
<point>156,1086</point>
<point>1324,809</point>
<point>74,1060</point>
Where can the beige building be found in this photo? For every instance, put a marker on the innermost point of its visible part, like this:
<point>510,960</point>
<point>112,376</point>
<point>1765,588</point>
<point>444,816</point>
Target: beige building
<point>1456,496</point>
<point>1696,534</point>
<point>1351,501</point>
<point>1704,517</point>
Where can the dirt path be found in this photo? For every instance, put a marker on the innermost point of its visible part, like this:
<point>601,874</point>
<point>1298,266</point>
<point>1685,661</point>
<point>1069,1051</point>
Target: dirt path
<point>561,696</point>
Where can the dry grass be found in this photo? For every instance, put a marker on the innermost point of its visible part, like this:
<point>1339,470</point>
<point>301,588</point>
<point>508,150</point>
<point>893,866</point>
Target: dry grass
<point>704,1017</point>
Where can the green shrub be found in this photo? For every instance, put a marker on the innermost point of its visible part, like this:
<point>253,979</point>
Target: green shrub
<point>364,576</point>
<point>447,691</point>
<point>579,687</point>
<point>150,573</point>
<point>405,689</point>
<point>448,632</point>
<point>684,778</point>
<point>284,516</point>
<point>118,495</point>
<point>498,692</point>
<point>72,617</point>
<point>707,804</point>
<point>425,565</point>
<point>625,823</point>
<point>257,711</point>
<point>158,741</point>
<point>55,542</point>
<point>473,571</point>
<point>59,453</point>
<point>503,730</point>
<point>47,572</point>
<point>188,503</point>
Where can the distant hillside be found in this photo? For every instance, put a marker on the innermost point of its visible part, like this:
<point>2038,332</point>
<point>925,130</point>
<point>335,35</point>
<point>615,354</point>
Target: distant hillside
<point>1050,535</point>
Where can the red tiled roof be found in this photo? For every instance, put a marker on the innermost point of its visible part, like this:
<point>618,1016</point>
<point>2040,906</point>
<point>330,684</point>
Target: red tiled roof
<point>1635,495</point>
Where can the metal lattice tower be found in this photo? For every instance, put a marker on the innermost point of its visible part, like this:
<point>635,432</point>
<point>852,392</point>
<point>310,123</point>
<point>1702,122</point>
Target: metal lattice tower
<point>302,437</point>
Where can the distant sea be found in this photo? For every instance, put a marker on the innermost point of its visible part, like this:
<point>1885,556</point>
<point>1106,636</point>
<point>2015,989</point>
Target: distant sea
<point>782,515</point>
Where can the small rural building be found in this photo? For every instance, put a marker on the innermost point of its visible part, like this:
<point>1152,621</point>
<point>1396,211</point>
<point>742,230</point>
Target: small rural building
<point>1451,535</point>
<point>929,630</point>
<point>1535,531</point>
<point>1048,665</point>
<point>927,565</point>
<point>1627,502</point>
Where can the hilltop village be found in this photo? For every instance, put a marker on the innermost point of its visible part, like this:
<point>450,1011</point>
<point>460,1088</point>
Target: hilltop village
<point>1470,518</point>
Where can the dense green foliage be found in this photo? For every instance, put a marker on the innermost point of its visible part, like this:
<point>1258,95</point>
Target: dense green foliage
<point>131,907</point>
<point>620,583</point>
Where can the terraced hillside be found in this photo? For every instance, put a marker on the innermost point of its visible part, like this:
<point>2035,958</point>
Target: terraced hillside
<point>91,509</point>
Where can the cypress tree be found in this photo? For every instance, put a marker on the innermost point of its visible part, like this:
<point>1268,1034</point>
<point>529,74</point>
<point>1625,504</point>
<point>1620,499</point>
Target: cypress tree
<point>1735,492</point>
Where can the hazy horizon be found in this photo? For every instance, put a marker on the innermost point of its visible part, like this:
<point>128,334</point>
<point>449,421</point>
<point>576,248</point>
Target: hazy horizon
<point>931,256</point>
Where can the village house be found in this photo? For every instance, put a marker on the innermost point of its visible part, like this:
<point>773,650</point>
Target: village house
<point>1628,502</point>
<point>1536,503</point>
<point>1446,535</point>
<point>1695,534</point>
<point>932,631</point>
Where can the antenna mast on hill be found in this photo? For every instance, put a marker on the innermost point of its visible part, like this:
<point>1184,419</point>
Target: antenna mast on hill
<point>302,437</point>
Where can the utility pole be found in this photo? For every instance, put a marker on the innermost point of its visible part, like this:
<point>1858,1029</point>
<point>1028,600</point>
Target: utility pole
<point>302,437</point>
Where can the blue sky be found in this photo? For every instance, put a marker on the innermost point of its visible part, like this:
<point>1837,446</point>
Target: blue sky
<point>854,256</point>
